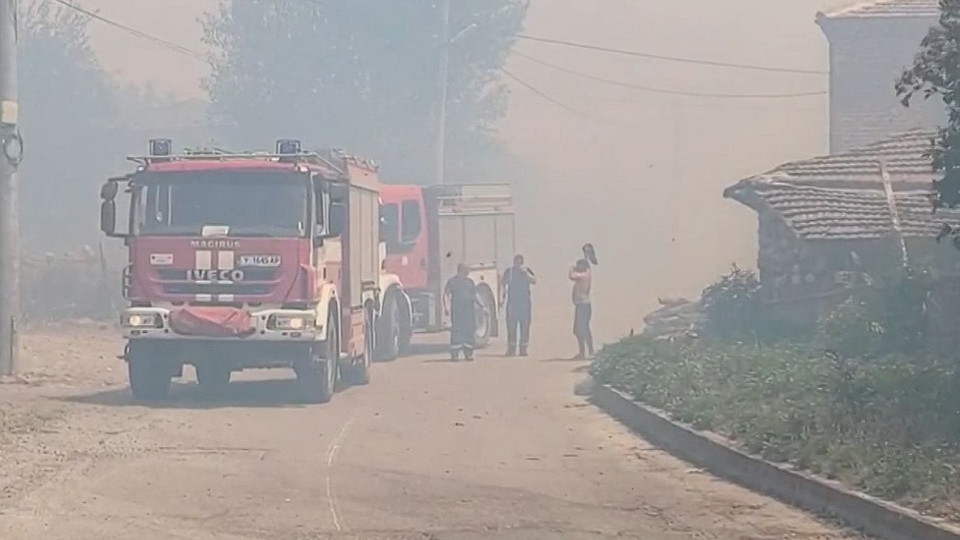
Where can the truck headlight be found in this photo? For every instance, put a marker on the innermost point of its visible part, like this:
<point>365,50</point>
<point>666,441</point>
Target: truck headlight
<point>289,322</point>
<point>141,320</point>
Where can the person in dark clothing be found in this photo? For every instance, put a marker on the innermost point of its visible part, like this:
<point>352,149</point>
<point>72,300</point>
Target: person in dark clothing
<point>460,302</point>
<point>515,293</point>
<point>590,254</point>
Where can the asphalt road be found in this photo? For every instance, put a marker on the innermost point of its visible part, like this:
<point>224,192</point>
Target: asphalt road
<point>498,448</point>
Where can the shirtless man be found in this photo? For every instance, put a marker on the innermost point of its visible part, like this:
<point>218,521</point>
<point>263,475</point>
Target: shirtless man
<point>582,308</point>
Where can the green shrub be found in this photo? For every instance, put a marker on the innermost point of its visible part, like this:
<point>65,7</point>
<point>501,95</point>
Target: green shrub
<point>883,319</point>
<point>732,306</point>
<point>734,313</point>
<point>889,424</point>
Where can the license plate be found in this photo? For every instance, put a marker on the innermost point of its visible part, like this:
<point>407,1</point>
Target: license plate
<point>260,261</point>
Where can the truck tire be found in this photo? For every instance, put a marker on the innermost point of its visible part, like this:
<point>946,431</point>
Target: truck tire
<point>317,375</point>
<point>149,374</point>
<point>486,319</point>
<point>358,373</point>
<point>406,330</point>
<point>389,329</point>
<point>213,375</point>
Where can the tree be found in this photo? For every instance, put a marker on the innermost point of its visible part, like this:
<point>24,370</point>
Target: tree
<point>936,72</point>
<point>68,124</point>
<point>362,75</point>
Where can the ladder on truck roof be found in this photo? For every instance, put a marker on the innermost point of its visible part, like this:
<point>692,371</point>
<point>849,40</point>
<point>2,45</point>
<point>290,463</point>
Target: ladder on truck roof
<point>473,199</point>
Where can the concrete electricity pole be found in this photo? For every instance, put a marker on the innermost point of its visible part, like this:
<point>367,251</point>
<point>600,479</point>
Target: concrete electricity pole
<point>440,143</point>
<point>11,151</point>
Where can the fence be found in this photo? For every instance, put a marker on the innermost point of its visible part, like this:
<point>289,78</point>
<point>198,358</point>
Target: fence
<point>69,286</point>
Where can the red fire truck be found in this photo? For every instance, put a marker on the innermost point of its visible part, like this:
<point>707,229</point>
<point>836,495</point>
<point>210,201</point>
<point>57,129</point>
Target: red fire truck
<point>241,261</point>
<point>427,232</point>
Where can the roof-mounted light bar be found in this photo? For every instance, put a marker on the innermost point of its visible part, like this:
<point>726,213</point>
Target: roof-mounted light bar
<point>161,147</point>
<point>288,147</point>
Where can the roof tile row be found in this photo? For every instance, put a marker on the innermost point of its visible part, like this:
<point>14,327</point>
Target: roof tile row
<point>842,196</point>
<point>846,214</point>
<point>888,8</point>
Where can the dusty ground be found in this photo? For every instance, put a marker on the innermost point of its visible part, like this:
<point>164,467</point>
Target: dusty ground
<point>500,448</point>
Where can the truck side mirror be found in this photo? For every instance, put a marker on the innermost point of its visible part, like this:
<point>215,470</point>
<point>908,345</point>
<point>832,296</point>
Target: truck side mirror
<point>109,190</point>
<point>108,217</point>
<point>108,207</point>
<point>337,220</point>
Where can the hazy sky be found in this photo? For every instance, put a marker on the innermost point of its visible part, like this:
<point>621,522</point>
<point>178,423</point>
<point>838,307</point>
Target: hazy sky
<point>759,31</point>
<point>637,173</point>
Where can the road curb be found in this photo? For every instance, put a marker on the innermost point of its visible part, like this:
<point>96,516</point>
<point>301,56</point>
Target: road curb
<point>870,515</point>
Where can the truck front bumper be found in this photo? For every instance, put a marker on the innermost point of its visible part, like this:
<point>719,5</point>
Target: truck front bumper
<point>268,325</point>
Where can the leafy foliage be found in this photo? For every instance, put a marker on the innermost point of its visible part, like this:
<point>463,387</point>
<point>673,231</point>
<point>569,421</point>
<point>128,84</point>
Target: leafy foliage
<point>732,306</point>
<point>889,425</point>
<point>66,119</point>
<point>78,124</point>
<point>883,319</point>
<point>364,75</point>
<point>936,71</point>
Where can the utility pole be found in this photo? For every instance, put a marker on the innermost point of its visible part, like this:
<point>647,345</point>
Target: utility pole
<point>443,83</point>
<point>11,152</point>
<point>676,187</point>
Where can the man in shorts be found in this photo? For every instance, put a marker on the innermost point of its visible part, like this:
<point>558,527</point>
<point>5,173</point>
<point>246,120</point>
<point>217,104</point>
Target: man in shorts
<point>582,308</point>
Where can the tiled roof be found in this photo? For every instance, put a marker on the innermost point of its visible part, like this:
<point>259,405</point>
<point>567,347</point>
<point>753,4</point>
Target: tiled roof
<point>903,158</point>
<point>842,196</point>
<point>888,8</point>
<point>845,214</point>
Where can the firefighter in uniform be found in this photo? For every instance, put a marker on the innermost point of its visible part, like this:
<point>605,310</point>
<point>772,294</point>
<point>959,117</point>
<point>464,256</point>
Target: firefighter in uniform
<point>515,292</point>
<point>461,303</point>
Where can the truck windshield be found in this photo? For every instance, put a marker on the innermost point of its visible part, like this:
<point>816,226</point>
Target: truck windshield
<point>247,203</point>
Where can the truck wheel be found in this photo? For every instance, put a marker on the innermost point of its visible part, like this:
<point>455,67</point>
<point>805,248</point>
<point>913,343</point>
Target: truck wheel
<point>358,374</point>
<point>213,375</point>
<point>388,330</point>
<point>318,374</point>
<point>406,332</point>
<point>485,318</point>
<point>149,374</point>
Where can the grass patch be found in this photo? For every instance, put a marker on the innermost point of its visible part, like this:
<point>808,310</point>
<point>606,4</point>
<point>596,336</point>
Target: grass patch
<point>889,426</point>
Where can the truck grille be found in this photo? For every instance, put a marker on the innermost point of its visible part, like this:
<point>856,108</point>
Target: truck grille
<point>250,274</point>
<point>256,282</point>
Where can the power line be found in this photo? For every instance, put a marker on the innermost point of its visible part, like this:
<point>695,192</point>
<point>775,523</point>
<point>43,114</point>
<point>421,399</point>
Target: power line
<point>547,97</point>
<point>134,32</point>
<point>667,58</point>
<point>664,90</point>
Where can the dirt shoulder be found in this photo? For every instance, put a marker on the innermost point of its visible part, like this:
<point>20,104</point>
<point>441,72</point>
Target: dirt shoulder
<point>42,430</point>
